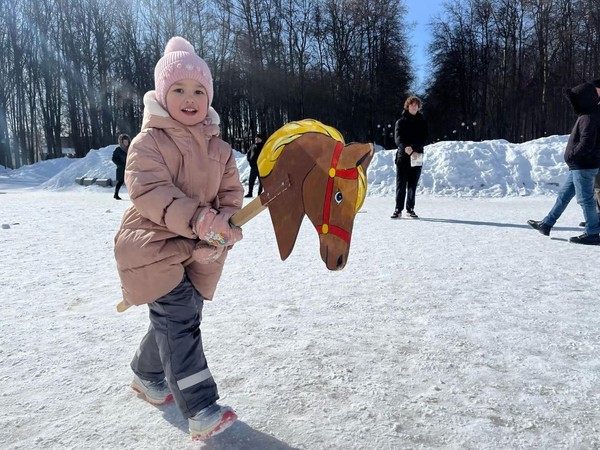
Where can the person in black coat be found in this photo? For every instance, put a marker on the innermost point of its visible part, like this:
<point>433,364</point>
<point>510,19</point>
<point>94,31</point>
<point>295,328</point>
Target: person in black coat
<point>119,157</point>
<point>410,135</point>
<point>582,155</point>
<point>252,157</point>
<point>596,84</point>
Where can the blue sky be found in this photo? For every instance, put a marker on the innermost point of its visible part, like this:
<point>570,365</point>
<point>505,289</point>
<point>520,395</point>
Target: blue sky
<point>420,13</point>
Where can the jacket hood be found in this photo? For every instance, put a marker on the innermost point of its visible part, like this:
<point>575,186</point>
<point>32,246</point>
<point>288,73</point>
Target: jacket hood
<point>583,98</point>
<point>155,116</point>
<point>121,138</point>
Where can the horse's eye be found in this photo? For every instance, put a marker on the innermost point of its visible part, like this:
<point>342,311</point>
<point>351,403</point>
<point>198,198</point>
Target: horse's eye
<point>339,197</point>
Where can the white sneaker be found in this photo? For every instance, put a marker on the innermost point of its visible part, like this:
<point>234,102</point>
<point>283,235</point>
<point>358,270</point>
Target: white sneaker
<point>155,392</point>
<point>211,421</point>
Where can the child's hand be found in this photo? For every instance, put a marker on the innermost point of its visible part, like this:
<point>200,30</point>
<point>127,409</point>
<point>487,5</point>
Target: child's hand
<point>205,253</point>
<point>213,227</point>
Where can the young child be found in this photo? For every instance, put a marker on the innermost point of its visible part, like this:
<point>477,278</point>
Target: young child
<point>184,185</point>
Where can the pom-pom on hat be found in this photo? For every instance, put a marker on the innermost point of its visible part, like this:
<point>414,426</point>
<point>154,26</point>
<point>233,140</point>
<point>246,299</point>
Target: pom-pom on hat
<point>180,62</point>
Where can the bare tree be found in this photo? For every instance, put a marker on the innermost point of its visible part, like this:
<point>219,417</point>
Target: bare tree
<point>6,159</point>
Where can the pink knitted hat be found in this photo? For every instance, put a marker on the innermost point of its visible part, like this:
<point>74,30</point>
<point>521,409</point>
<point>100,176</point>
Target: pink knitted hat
<point>180,62</point>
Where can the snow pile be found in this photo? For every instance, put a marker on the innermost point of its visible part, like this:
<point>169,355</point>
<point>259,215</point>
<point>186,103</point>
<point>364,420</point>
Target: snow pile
<point>96,164</point>
<point>464,169</point>
<point>479,169</point>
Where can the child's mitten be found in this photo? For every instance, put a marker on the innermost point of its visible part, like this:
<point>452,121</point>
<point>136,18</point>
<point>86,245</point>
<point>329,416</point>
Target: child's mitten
<point>213,227</point>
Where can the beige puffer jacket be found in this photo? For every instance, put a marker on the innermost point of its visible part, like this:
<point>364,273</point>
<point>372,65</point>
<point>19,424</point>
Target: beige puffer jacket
<point>171,171</point>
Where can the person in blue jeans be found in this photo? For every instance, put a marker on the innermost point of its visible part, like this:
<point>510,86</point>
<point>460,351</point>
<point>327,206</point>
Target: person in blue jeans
<point>596,187</point>
<point>582,155</point>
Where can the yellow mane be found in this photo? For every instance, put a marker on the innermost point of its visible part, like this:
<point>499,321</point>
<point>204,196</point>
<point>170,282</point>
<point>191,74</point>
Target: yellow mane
<point>286,134</point>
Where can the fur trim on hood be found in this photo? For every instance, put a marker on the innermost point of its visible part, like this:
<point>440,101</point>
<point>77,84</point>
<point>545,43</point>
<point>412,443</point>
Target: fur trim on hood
<point>121,138</point>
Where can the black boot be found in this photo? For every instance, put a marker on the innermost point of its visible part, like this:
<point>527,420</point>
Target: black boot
<point>586,239</point>
<point>540,226</point>
<point>582,224</point>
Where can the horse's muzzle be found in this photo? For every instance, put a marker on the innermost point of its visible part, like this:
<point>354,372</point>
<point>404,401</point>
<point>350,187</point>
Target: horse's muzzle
<point>333,259</point>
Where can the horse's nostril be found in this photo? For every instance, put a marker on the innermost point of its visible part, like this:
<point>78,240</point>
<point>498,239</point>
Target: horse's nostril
<point>340,261</point>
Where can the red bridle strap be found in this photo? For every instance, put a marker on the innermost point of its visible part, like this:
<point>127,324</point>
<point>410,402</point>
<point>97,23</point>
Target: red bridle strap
<point>351,174</point>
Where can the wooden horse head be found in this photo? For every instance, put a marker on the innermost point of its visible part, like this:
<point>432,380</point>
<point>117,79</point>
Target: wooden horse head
<point>327,181</point>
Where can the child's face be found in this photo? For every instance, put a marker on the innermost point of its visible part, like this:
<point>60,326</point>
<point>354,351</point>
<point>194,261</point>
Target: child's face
<point>187,102</point>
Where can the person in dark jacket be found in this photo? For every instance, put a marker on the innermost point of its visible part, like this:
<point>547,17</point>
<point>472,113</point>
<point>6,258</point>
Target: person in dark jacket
<point>252,157</point>
<point>119,157</point>
<point>410,134</point>
<point>596,84</point>
<point>582,155</point>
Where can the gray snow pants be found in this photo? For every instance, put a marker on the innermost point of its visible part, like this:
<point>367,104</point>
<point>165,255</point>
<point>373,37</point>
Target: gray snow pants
<point>172,349</point>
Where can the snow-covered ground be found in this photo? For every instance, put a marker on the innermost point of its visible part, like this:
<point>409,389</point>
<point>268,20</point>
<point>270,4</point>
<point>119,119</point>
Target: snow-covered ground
<point>465,329</point>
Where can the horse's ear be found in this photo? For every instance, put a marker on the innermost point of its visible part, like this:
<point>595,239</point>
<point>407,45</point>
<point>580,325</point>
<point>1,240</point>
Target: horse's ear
<point>286,217</point>
<point>366,158</point>
<point>287,208</point>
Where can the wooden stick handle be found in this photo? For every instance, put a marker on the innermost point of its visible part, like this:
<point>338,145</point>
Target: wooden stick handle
<point>248,212</point>
<point>122,306</point>
<point>240,218</point>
